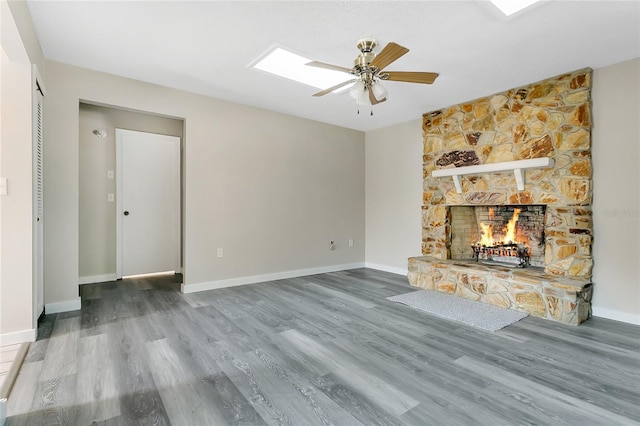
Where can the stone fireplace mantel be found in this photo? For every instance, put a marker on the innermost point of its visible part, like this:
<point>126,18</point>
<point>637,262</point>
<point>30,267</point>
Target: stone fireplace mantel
<point>516,166</point>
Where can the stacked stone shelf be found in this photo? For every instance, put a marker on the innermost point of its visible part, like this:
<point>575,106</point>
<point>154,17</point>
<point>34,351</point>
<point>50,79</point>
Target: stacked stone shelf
<point>517,167</point>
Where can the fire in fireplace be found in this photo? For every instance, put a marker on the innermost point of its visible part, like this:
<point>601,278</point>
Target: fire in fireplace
<point>511,235</point>
<point>510,247</point>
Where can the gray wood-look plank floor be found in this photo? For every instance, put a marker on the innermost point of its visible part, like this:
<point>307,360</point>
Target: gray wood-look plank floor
<point>318,350</point>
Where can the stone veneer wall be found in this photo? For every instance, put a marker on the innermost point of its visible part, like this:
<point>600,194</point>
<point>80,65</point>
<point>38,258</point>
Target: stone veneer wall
<point>551,118</point>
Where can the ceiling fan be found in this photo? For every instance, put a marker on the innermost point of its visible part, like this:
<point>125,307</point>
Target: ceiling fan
<point>368,70</point>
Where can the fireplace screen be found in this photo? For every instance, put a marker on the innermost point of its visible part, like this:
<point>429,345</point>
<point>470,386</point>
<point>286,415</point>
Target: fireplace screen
<point>511,235</point>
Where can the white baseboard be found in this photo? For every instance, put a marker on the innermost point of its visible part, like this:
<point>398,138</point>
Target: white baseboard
<point>96,279</point>
<point>3,411</point>
<point>385,268</point>
<point>18,337</point>
<point>69,305</point>
<point>232,282</point>
<point>616,315</point>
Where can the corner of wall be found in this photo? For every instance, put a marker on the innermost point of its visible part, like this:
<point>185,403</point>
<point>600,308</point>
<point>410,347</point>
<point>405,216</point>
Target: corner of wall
<point>22,17</point>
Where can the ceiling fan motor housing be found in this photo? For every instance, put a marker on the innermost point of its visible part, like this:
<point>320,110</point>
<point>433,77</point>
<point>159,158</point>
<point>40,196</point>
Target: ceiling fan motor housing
<point>363,60</point>
<point>366,46</point>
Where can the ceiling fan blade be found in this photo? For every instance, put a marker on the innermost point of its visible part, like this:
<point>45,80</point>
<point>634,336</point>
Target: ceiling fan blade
<point>328,66</point>
<point>390,53</point>
<point>373,99</point>
<point>411,77</point>
<point>337,86</point>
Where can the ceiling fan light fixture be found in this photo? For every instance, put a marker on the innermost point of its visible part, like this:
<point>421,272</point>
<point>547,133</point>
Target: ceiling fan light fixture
<point>363,98</point>
<point>379,91</point>
<point>357,89</point>
<point>360,93</point>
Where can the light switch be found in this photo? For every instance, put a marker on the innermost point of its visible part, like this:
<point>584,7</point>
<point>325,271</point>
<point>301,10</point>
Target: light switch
<point>109,174</point>
<point>3,186</point>
<point>110,197</point>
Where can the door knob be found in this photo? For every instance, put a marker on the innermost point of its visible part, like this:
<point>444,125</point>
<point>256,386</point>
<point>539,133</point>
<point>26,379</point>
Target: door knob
<point>126,213</point>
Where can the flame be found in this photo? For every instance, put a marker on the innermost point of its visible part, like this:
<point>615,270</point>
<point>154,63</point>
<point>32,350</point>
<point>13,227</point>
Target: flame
<point>487,235</point>
<point>510,233</point>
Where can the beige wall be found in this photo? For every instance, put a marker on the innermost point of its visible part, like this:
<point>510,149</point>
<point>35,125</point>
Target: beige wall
<point>393,195</point>
<point>615,136</point>
<point>97,216</point>
<point>272,190</point>
<point>616,192</point>
<point>16,285</point>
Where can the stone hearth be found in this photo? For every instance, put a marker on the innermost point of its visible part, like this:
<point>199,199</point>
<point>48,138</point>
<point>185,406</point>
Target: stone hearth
<point>529,289</point>
<point>550,119</point>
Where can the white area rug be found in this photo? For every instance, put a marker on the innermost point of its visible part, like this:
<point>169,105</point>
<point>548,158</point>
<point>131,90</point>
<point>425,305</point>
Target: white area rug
<point>454,308</point>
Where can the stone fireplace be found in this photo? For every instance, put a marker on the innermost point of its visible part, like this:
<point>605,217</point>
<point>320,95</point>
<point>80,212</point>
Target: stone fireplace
<point>547,120</point>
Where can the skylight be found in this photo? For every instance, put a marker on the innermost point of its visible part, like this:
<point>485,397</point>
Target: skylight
<point>286,64</point>
<point>509,7</point>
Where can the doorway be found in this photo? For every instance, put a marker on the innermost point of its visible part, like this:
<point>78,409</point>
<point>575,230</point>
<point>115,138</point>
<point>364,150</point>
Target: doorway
<point>97,183</point>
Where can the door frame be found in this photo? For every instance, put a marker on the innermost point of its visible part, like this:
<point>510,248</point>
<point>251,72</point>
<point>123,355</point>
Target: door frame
<point>119,201</point>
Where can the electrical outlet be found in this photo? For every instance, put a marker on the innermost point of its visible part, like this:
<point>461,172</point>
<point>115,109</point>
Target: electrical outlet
<point>220,252</point>
<point>350,243</point>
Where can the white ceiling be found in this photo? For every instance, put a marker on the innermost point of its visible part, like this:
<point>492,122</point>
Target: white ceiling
<point>207,47</point>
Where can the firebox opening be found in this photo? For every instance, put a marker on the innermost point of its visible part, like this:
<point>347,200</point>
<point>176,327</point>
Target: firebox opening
<point>511,235</point>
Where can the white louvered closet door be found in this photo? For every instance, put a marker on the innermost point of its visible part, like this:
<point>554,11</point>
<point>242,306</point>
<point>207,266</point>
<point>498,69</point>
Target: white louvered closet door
<point>38,208</point>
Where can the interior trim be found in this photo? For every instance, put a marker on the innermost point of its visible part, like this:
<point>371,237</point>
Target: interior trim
<point>66,306</point>
<point>232,282</point>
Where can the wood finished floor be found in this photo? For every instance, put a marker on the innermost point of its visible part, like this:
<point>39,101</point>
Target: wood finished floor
<point>319,350</point>
<point>7,355</point>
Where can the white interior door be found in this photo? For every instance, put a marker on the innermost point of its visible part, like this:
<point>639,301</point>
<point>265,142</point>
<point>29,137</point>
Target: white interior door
<point>148,203</point>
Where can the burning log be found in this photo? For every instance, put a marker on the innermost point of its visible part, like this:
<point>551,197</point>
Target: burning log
<point>507,252</point>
